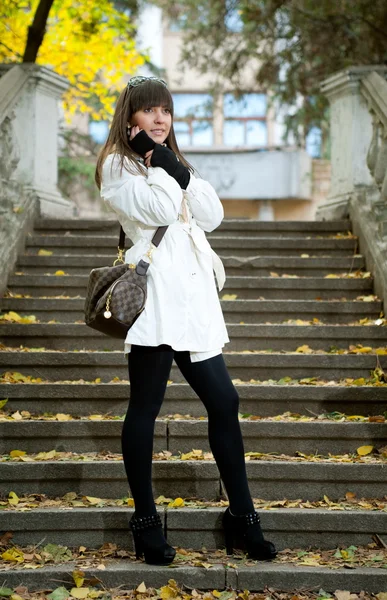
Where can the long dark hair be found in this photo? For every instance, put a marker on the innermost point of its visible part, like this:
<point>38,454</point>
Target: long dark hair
<point>147,94</point>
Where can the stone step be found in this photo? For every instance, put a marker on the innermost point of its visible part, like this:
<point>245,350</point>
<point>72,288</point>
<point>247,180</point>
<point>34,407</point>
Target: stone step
<point>176,436</point>
<point>235,311</point>
<point>235,226</point>
<point>268,479</point>
<point>266,400</point>
<point>128,574</point>
<point>278,288</point>
<point>193,528</point>
<point>234,265</point>
<point>227,245</point>
<point>77,336</point>
<point>107,365</point>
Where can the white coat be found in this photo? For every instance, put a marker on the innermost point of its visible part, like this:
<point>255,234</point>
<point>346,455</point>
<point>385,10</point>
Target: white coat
<point>182,307</point>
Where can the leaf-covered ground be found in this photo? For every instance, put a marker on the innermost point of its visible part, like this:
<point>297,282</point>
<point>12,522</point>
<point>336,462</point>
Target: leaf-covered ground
<point>365,454</point>
<point>37,556</point>
<point>86,589</point>
<point>28,502</point>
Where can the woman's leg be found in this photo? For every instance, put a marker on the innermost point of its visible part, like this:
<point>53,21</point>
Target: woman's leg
<point>149,368</point>
<point>212,383</point>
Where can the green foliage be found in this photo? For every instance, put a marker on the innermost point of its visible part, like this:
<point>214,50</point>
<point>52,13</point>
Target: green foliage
<point>291,46</point>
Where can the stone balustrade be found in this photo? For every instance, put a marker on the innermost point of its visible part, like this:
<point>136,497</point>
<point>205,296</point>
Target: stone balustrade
<point>29,120</point>
<point>358,125</point>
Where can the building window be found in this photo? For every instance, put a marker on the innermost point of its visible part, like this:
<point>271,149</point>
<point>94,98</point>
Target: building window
<point>232,17</point>
<point>245,120</point>
<point>193,119</point>
<point>313,142</point>
<point>98,131</point>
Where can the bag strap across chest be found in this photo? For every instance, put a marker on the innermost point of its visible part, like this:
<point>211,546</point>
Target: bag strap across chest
<point>156,239</point>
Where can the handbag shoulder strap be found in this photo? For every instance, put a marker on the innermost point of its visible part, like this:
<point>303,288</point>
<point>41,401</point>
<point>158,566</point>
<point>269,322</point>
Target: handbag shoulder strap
<point>158,236</point>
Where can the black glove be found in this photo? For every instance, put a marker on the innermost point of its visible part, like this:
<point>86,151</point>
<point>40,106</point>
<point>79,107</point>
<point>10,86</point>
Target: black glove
<point>164,157</point>
<point>141,143</point>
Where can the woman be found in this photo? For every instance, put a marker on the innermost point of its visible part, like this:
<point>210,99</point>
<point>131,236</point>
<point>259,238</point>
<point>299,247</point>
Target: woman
<point>144,178</point>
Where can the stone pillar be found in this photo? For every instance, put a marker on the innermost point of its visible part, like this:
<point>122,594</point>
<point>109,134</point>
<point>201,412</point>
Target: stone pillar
<point>351,133</point>
<point>35,125</point>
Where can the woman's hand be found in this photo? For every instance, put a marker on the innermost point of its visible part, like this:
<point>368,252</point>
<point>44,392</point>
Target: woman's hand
<point>140,141</point>
<point>134,131</point>
<point>148,157</point>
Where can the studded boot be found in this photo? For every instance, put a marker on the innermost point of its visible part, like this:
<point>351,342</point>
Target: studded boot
<point>149,540</point>
<point>245,532</point>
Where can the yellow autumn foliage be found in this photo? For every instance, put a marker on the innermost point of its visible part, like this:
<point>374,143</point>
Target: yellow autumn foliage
<point>90,43</point>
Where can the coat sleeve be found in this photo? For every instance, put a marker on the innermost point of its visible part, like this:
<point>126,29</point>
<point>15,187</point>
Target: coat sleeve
<point>204,203</point>
<point>153,200</point>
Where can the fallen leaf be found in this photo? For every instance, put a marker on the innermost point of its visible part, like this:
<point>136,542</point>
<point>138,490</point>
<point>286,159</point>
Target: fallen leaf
<point>79,578</point>
<point>79,593</point>
<point>364,450</point>
<point>13,498</point>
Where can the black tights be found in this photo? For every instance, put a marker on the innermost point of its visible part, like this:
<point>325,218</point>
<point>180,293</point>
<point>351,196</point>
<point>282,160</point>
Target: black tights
<point>149,369</point>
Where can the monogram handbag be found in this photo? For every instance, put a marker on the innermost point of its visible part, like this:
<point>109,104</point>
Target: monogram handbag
<point>116,295</point>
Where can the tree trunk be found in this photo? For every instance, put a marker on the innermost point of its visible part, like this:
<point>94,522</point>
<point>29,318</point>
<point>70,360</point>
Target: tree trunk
<point>36,31</point>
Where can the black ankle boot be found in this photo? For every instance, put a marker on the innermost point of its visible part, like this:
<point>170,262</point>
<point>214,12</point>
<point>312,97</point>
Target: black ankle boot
<point>247,530</point>
<point>149,540</point>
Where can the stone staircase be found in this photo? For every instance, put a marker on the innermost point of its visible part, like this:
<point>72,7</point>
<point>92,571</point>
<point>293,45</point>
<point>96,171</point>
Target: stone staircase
<point>304,328</point>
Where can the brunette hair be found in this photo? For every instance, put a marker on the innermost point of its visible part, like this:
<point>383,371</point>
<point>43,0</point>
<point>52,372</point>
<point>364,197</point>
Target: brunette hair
<point>147,94</point>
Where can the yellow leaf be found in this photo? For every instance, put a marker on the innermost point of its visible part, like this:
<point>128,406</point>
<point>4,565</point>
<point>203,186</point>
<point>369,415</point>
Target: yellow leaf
<point>13,555</point>
<point>79,578</point>
<point>93,500</point>
<point>141,588</point>
<point>229,297</point>
<point>95,417</point>
<point>28,319</point>
<point>79,593</point>
<point>15,453</point>
<point>17,416</point>
<point>169,591</point>
<point>59,272</point>
<point>130,502</point>
<point>304,349</point>
<point>62,417</point>
<point>12,316</point>
<point>176,503</point>
<point>304,255</point>
<point>13,498</point>
<point>3,403</point>
<point>43,252</point>
<point>98,380</point>
<point>46,455</point>
<point>15,597</point>
<point>332,276</point>
<point>364,450</point>
<point>216,593</point>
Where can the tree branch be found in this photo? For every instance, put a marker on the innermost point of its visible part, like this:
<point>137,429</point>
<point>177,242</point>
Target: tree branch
<point>36,31</point>
<point>10,49</point>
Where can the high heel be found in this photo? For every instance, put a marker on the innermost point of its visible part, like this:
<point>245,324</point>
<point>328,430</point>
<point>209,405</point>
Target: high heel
<point>247,530</point>
<point>160,554</point>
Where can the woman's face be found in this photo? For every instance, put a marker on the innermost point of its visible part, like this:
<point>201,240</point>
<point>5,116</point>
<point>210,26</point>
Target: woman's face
<point>155,121</point>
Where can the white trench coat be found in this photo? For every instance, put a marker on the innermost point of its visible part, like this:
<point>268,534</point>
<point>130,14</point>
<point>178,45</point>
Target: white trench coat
<point>182,307</point>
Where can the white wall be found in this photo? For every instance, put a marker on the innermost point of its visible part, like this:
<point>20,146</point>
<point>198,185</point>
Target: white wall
<point>277,174</point>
